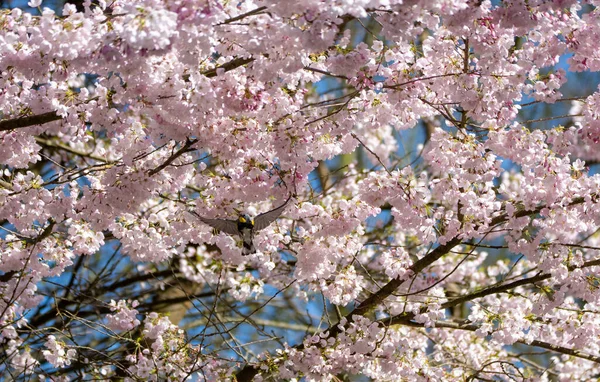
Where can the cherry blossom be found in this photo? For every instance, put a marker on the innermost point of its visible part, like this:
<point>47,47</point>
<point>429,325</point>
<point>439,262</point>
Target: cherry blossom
<point>440,157</point>
<point>56,353</point>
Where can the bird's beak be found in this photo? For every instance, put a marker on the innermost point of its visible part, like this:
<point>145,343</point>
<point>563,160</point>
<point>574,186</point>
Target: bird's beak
<point>242,220</point>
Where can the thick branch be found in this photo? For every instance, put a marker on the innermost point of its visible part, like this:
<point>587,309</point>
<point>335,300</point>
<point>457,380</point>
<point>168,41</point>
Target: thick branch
<point>375,299</point>
<point>256,11</point>
<point>233,64</point>
<point>32,120</point>
<point>503,288</point>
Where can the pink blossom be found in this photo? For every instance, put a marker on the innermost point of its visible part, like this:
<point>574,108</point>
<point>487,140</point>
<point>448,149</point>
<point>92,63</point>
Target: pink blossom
<point>442,163</point>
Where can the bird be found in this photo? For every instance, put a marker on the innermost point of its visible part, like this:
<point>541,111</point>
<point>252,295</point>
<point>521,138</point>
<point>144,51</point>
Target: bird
<point>245,226</point>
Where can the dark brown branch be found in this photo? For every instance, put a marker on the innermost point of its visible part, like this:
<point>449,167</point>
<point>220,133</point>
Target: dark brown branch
<point>372,152</point>
<point>177,154</point>
<point>242,16</point>
<point>377,298</point>
<point>315,70</point>
<point>32,120</point>
<point>503,288</point>
<point>233,64</point>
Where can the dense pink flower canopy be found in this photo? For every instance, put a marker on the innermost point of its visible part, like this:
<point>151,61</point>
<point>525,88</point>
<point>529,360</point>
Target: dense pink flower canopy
<point>439,229</point>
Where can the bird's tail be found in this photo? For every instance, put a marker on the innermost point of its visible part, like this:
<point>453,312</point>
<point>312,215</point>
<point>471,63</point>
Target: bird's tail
<point>248,248</point>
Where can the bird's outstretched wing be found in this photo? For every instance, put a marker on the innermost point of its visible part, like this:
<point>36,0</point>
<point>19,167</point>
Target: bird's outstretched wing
<point>263,220</point>
<point>223,225</point>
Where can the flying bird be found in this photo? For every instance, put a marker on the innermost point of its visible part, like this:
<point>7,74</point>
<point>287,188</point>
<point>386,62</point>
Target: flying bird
<point>245,226</point>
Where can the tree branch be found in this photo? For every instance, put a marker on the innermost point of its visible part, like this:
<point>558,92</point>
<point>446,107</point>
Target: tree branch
<point>242,16</point>
<point>186,148</point>
<point>473,327</point>
<point>32,120</point>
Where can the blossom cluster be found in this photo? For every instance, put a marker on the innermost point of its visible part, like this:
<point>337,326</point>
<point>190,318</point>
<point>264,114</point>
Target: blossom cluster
<point>441,167</point>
